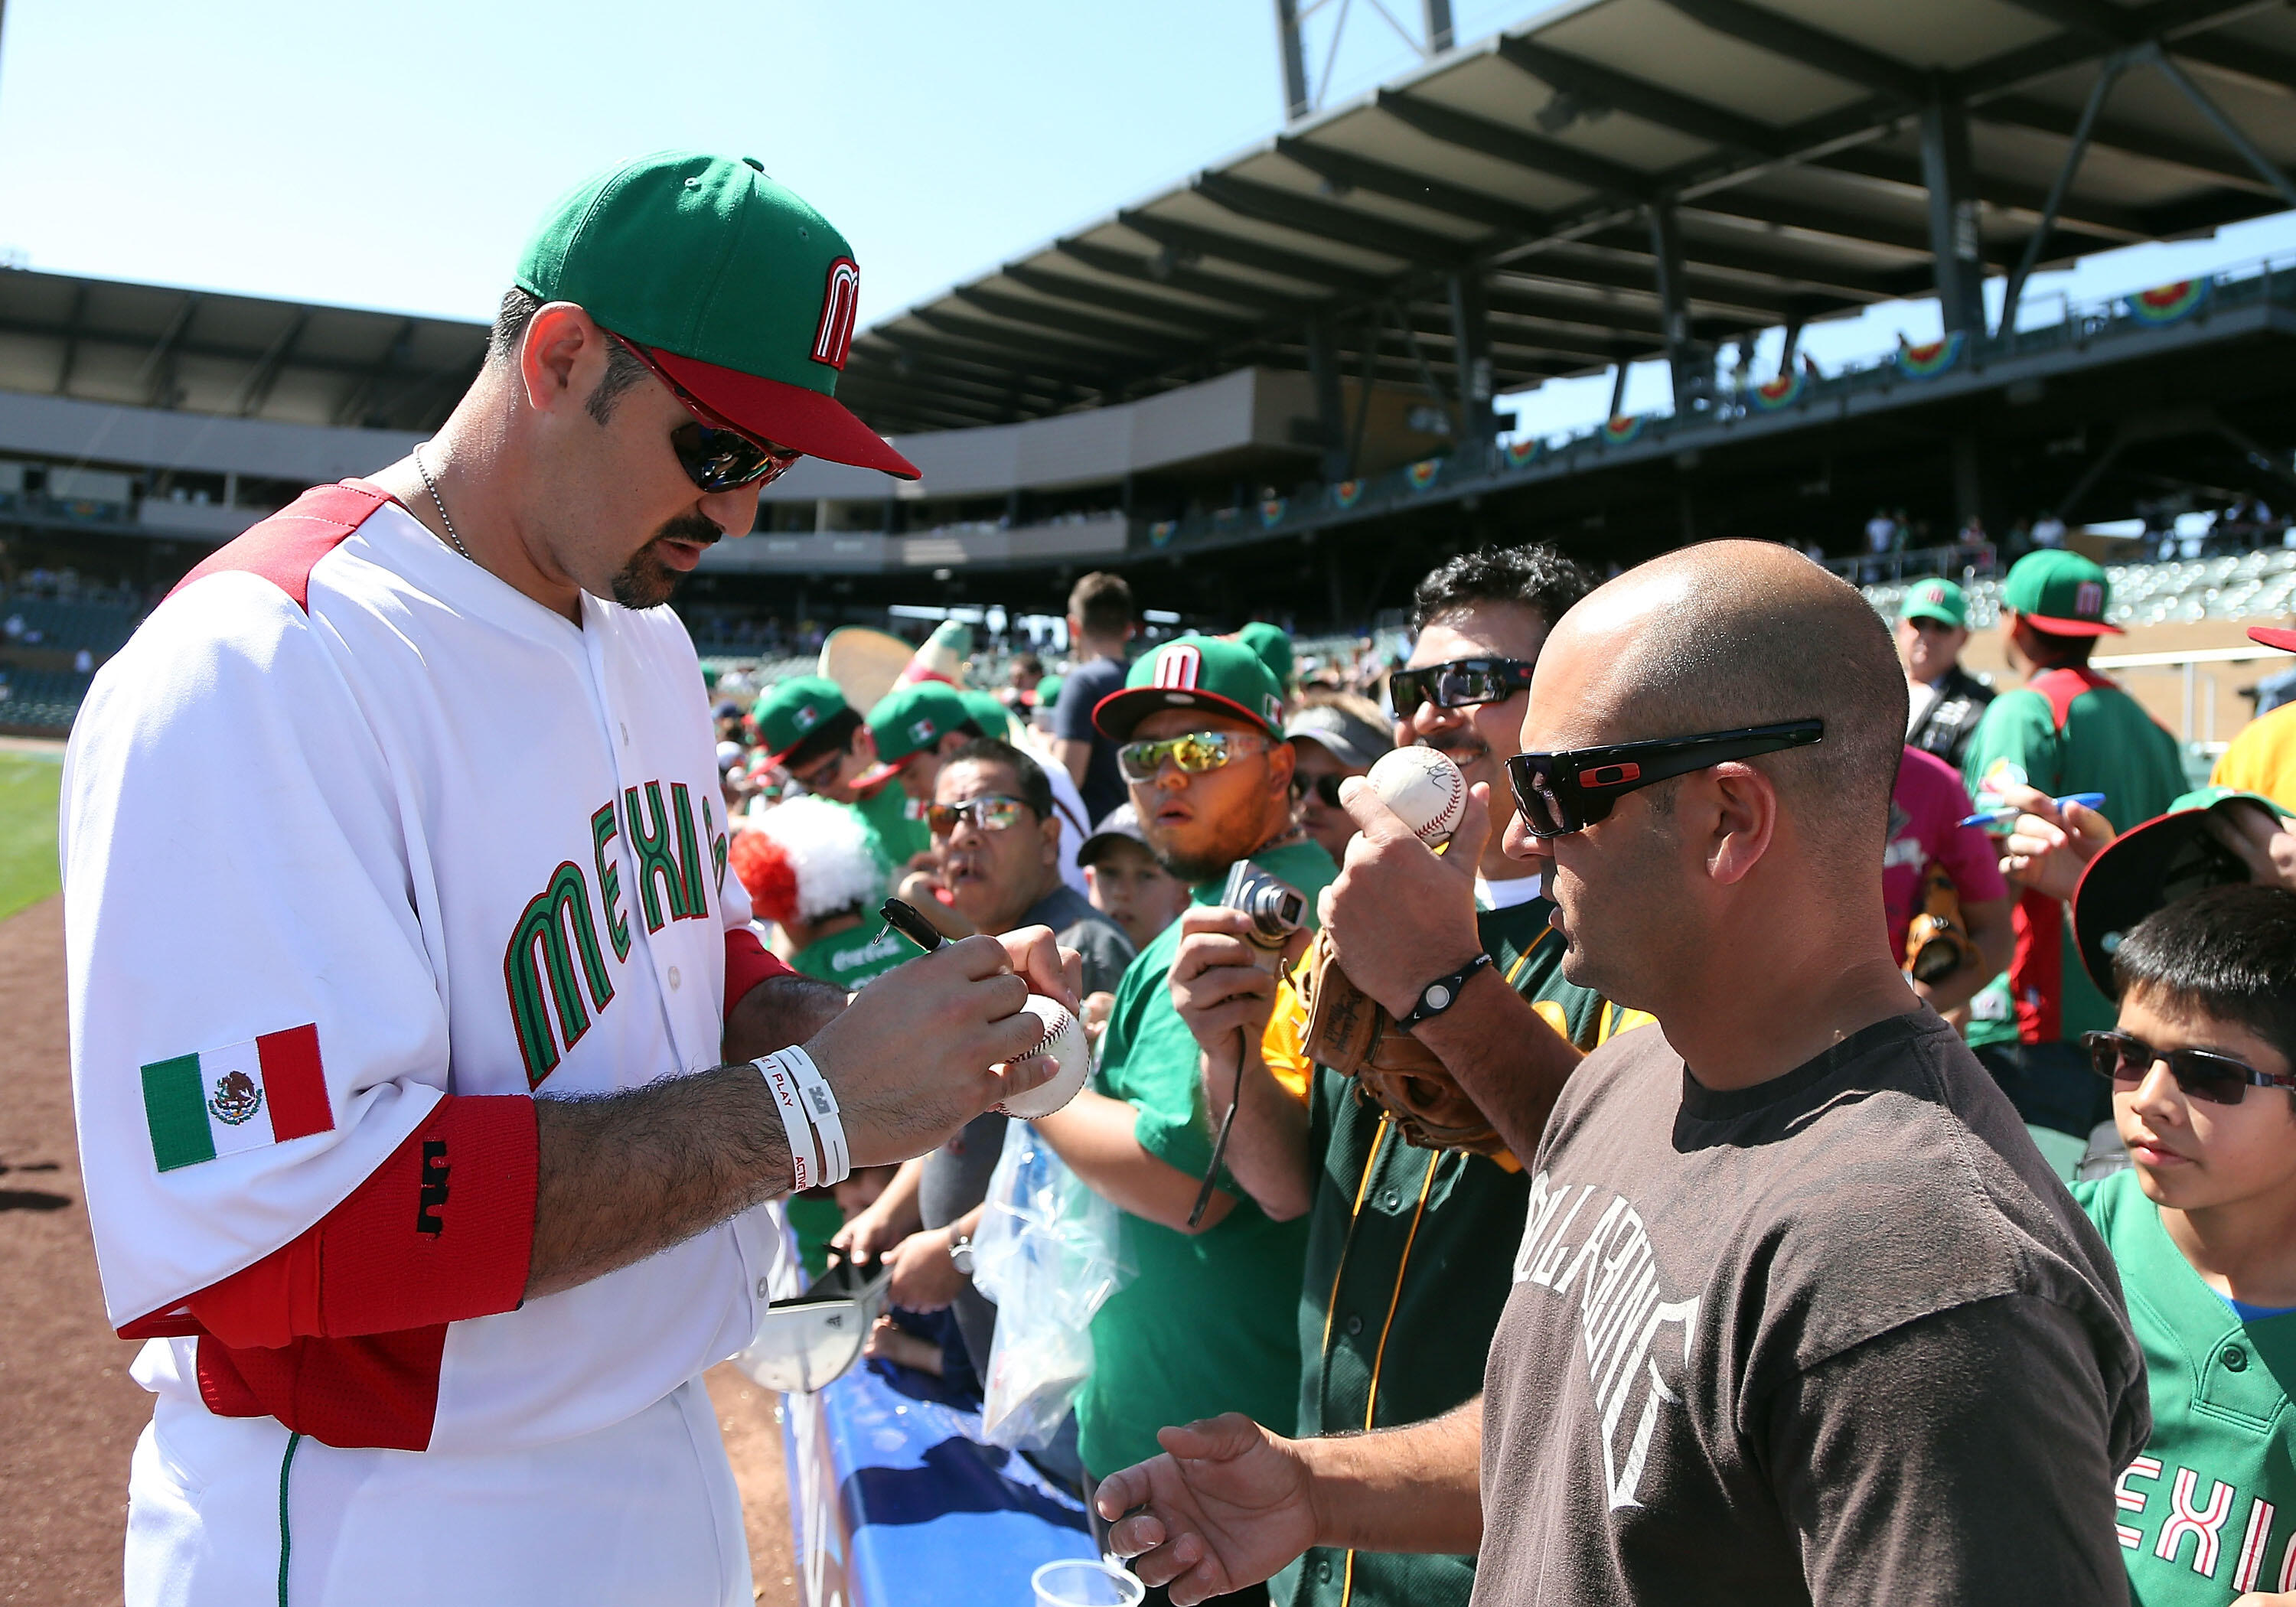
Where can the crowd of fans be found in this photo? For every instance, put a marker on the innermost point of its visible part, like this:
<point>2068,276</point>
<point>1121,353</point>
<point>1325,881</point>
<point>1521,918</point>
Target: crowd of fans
<point>2119,954</point>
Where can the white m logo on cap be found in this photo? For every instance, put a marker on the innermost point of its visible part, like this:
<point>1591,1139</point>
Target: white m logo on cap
<point>2088,600</point>
<point>841,301</point>
<point>1178,667</point>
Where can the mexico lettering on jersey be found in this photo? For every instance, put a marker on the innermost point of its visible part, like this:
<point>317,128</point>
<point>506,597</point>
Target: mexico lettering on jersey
<point>441,849</point>
<point>1633,1341</point>
<point>2163,1514</point>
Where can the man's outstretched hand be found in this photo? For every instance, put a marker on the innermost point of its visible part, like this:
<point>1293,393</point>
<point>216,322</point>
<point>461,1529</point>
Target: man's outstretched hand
<point>1226,1507</point>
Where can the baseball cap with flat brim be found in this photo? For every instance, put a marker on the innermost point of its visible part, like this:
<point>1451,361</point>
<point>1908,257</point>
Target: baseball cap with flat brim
<point>1939,600</point>
<point>2060,592</point>
<point>2272,637</point>
<point>2151,865</point>
<point>1120,824</point>
<point>1217,674</point>
<point>907,721</point>
<point>793,711</point>
<point>743,294</point>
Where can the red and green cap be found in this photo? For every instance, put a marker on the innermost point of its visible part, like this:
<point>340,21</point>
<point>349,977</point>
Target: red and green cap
<point>1273,644</point>
<point>2061,593</point>
<point>909,720</point>
<point>793,711</point>
<point>2151,865</point>
<point>744,295</point>
<point>988,712</point>
<point>1216,673</point>
<point>2273,636</point>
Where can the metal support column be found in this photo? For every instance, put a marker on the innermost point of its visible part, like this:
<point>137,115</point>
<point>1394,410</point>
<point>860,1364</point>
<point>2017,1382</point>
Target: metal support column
<point>2107,74</point>
<point>1954,243</point>
<point>1296,103</point>
<point>1691,384</point>
<point>1618,388</point>
<point>2269,170</point>
<point>1471,354</point>
<point>1968,482</point>
<point>1331,409</point>
<point>1439,26</point>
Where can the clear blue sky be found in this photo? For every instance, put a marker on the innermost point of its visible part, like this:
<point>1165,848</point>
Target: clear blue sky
<point>395,155</point>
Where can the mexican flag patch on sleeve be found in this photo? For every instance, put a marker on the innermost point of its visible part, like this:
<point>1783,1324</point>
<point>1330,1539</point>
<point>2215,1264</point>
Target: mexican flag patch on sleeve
<point>222,1101</point>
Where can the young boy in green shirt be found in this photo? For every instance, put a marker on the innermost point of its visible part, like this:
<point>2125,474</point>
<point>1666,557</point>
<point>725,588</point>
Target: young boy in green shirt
<point>2203,1227</point>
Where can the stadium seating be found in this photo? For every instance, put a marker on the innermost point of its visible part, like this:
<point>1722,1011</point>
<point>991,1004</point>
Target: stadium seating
<point>2246,585</point>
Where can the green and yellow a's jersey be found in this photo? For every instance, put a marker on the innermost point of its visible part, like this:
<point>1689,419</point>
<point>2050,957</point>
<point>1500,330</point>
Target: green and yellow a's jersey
<point>2209,1510</point>
<point>1410,1257</point>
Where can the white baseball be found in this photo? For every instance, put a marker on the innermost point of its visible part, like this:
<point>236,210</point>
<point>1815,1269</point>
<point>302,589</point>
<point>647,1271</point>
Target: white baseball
<point>1425,788</point>
<point>1064,1041</point>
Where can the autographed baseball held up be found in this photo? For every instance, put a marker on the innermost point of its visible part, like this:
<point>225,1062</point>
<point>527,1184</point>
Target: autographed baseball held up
<point>1424,787</point>
<point>1064,1041</point>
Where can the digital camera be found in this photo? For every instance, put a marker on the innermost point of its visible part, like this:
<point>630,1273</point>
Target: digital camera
<point>1278,909</point>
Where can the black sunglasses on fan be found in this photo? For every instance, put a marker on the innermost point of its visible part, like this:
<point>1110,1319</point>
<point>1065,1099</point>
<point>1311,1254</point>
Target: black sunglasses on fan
<point>1558,793</point>
<point>1325,787</point>
<point>2218,1079</point>
<point>1457,684</point>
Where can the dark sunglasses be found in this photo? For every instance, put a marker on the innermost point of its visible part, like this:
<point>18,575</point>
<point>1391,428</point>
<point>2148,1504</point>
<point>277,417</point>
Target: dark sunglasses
<point>714,454</point>
<point>988,813</point>
<point>1325,787</point>
<point>1457,684</point>
<point>1558,793</point>
<point>2218,1079</point>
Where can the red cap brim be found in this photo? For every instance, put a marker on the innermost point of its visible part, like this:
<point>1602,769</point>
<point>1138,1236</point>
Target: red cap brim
<point>788,415</point>
<point>869,781</point>
<point>2271,636</point>
<point>2073,627</point>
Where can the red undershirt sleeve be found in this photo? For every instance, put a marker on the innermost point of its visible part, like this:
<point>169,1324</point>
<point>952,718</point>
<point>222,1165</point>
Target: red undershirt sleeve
<point>747,964</point>
<point>441,1232</point>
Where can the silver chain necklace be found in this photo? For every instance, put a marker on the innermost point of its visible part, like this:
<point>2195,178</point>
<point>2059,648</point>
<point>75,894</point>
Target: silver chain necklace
<point>440,503</point>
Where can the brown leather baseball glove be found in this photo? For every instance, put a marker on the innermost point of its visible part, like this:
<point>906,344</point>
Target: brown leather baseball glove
<point>1349,1031</point>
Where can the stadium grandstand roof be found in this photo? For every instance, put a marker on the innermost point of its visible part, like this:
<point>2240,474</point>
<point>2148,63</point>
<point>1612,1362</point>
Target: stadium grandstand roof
<point>155,347</point>
<point>1559,196</point>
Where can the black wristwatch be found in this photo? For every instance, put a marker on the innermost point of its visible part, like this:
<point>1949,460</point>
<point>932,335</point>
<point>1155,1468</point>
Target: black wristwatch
<point>1443,992</point>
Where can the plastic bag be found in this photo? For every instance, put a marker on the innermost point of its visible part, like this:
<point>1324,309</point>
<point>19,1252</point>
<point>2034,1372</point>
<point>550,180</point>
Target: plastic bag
<point>1049,1252</point>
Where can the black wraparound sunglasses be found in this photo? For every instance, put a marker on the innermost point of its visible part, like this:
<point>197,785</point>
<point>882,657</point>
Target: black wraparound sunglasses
<point>1457,684</point>
<point>1324,787</point>
<point>715,455</point>
<point>2218,1079</point>
<point>1558,793</point>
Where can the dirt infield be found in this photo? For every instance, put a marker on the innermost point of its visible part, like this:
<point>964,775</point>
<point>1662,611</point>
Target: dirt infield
<point>68,1413</point>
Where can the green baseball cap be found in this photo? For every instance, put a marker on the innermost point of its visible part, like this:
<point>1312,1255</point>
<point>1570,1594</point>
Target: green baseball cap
<point>1217,673</point>
<point>1274,646</point>
<point>988,712</point>
<point>909,720</point>
<point>742,293</point>
<point>1939,600</point>
<point>1048,691</point>
<point>793,711</point>
<point>2059,592</point>
<point>2154,865</point>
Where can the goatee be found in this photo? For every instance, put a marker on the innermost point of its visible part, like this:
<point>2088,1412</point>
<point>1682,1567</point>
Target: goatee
<point>645,582</point>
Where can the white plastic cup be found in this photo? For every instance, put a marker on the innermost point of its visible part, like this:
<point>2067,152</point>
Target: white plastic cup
<point>1086,1582</point>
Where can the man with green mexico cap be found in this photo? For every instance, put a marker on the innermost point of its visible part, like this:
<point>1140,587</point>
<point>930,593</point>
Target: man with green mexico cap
<point>2068,729</point>
<point>1210,1323</point>
<point>808,729</point>
<point>914,728</point>
<point>434,1170</point>
<point>1946,701</point>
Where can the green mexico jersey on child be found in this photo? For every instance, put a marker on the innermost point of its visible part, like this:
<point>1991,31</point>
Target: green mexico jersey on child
<point>2209,1510</point>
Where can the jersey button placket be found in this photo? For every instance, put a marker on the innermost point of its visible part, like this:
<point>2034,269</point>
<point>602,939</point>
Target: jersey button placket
<point>2234,1358</point>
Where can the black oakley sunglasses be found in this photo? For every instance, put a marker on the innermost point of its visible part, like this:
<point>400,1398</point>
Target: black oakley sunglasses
<point>1558,793</point>
<point>715,455</point>
<point>1458,685</point>
<point>2218,1079</point>
<point>1325,787</point>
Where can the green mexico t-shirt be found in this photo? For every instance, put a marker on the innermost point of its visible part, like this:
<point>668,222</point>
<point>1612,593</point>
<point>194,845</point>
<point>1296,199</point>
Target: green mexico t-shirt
<point>852,957</point>
<point>2107,744</point>
<point>898,823</point>
<point>1209,1322</point>
<point>2209,1510</point>
<point>1410,1260</point>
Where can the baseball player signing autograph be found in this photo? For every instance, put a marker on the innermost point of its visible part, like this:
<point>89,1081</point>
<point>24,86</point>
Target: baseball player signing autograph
<point>411,1002</point>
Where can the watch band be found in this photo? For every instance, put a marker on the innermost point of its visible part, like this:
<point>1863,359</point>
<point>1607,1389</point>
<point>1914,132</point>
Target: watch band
<point>1442,993</point>
<point>960,1253</point>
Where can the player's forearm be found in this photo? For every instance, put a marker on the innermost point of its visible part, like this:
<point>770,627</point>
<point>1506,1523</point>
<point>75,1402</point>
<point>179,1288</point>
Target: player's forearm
<point>1267,1148</point>
<point>1095,1136</point>
<point>625,1175</point>
<point>1417,1489</point>
<point>1506,1056</point>
<point>779,1011</point>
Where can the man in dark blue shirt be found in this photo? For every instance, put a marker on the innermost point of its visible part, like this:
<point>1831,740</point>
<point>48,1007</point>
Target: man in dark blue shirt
<point>1100,623</point>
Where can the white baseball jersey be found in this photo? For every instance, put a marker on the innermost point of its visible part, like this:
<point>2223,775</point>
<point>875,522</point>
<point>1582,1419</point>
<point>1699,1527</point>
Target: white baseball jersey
<point>364,849</point>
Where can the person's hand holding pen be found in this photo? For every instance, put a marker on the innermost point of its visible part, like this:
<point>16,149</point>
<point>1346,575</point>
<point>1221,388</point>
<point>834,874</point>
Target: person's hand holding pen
<point>2051,840</point>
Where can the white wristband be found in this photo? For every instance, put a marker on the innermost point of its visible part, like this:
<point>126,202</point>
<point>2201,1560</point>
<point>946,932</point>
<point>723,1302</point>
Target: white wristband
<point>821,1104</point>
<point>804,1164</point>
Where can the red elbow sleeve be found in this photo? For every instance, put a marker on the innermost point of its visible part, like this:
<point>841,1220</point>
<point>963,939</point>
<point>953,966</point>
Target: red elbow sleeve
<point>747,964</point>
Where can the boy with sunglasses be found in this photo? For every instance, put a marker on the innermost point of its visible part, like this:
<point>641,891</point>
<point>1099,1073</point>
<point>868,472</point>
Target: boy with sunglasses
<point>808,729</point>
<point>2202,1069</point>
